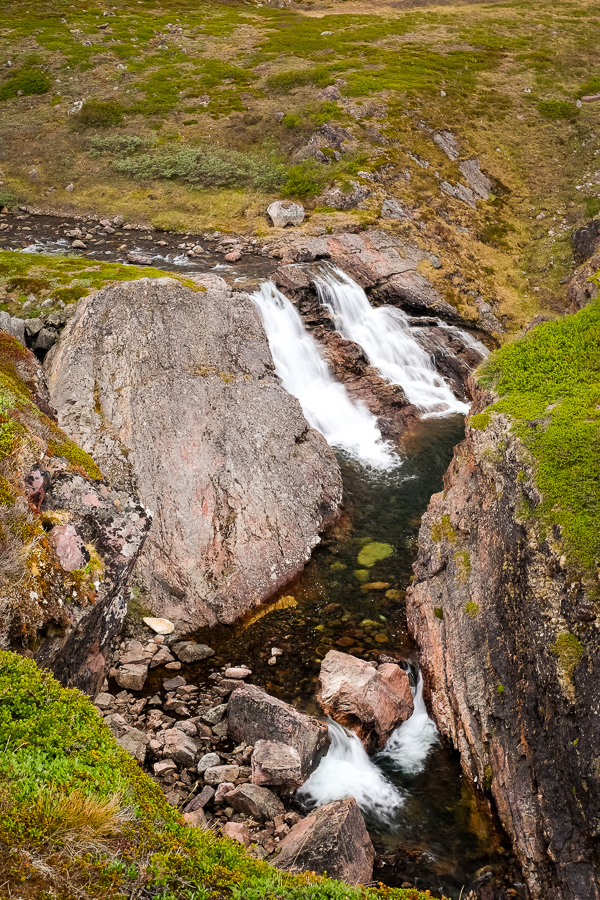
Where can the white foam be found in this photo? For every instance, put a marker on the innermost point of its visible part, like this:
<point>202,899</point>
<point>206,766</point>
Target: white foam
<point>347,771</point>
<point>385,336</point>
<point>411,743</point>
<point>305,374</point>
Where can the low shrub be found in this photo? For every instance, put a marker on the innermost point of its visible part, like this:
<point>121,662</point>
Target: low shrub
<point>25,82</point>
<point>99,114</point>
<point>558,109</point>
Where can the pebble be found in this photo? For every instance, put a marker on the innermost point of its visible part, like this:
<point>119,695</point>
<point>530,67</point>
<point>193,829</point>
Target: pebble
<point>160,626</point>
<point>238,672</point>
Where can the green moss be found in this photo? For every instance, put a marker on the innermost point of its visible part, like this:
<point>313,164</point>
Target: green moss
<point>558,109</point>
<point>463,565</point>
<point>76,456</point>
<point>500,689</point>
<point>480,421</point>
<point>373,552</point>
<point>438,612</point>
<point>25,82</point>
<point>569,650</point>
<point>442,528</point>
<point>54,745</point>
<point>549,384</point>
<point>472,609</point>
<point>488,777</point>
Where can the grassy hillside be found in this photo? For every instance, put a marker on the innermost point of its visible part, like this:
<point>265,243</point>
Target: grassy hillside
<point>199,115</point>
<point>79,818</point>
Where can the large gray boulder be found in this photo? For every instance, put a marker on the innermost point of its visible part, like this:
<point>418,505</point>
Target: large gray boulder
<point>372,700</point>
<point>331,839</point>
<point>256,716</point>
<point>284,212</point>
<point>174,391</point>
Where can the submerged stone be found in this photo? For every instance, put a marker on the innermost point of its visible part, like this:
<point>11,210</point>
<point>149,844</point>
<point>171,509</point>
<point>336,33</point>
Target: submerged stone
<point>373,552</point>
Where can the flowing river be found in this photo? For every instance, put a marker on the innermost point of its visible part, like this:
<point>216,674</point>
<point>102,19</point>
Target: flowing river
<point>429,825</point>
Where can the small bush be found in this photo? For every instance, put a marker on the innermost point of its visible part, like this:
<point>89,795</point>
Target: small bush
<point>557,109</point>
<point>118,145</point>
<point>26,81</point>
<point>304,180</point>
<point>7,200</point>
<point>99,114</point>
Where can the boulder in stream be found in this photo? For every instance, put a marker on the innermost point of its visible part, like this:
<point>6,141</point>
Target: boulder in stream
<point>371,700</point>
<point>331,839</point>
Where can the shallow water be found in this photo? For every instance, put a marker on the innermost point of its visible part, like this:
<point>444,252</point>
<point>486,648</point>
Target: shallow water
<point>428,816</point>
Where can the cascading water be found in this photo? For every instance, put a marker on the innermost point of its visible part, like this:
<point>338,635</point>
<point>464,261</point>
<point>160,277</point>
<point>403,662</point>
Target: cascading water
<point>305,374</point>
<point>347,771</point>
<point>409,746</point>
<point>385,336</point>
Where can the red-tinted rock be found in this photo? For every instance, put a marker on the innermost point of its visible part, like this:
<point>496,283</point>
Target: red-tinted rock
<point>277,765</point>
<point>370,700</point>
<point>331,839</point>
<point>69,547</point>
<point>254,715</point>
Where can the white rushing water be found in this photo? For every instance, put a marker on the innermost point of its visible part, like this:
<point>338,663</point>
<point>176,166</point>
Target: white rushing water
<point>408,747</point>
<point>305,374</point>
<point>385,336</point>
<point>347,771</point>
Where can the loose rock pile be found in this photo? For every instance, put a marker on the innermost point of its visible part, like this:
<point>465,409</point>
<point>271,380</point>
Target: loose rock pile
<point>230,756</point>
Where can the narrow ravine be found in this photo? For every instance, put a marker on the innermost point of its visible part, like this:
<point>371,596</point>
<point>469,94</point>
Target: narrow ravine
<point>427,821</point>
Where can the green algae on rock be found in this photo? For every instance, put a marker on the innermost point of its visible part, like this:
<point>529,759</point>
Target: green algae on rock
<point>374,552</point>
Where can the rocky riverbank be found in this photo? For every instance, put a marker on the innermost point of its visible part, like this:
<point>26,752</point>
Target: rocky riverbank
<point>231,756</point>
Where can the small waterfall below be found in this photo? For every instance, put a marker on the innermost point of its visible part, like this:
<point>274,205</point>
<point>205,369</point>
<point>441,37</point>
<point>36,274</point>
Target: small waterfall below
<point>385,336</point>
<point>305,374</point>
<point>347,771</point>
<point>408,747</point>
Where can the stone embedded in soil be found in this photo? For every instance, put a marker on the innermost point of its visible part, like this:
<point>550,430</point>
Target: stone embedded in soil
<point>158,625</point>
<point>208,762</point>
<point>285,212</point>
<point>190,652</point>
<point>238,672</point>
<point>276,764</point>
<point>69,547</point>
<point>196,818</point>
<point>258,802</point>
<point>221,774</point>
<point>371,701</point>
<point>254,715</point>
<point>332,839</point>
<point>215,715</point>
<point>237,830</point>
<point>135,742</point>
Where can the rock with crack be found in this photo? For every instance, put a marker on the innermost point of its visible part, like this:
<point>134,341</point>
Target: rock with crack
<point>371,700</point>
<point>256,716</point>
<point>332,839</point>
<point>174,391</point>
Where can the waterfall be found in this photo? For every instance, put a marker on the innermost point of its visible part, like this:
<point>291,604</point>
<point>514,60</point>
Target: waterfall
<point>385,336</point>
<point>305,374</point>
<point>408,747</point>
<point>347,771</point>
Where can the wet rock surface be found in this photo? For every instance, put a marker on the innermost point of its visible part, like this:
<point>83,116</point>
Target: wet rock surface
<point>239,497</point>
<point>371,700</point>
<point>488,605</point>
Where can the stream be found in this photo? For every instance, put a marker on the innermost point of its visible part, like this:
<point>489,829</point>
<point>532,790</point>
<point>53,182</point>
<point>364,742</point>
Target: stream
<point>429,825</point>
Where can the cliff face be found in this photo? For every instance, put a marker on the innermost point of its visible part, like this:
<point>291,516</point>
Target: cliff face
<point>511,657</point>
<point>174,392</point>
<point>68,541</point>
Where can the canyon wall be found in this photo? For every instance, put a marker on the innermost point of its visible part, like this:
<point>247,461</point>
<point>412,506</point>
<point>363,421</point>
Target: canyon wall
<point>510,650</point>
